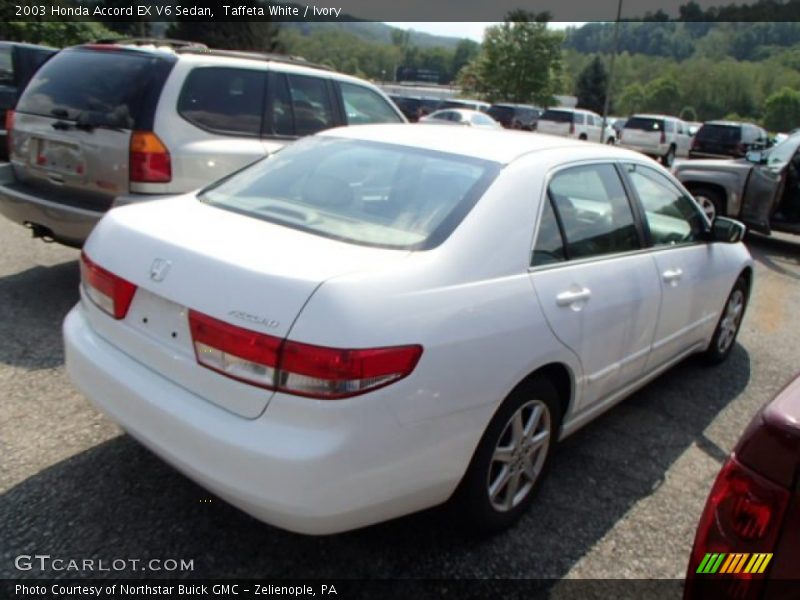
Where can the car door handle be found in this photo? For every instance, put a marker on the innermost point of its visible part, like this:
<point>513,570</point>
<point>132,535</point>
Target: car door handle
<point>672,275</point>
<point>569,298</point>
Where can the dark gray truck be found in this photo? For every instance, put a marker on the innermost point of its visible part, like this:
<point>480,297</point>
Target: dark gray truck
<point>761,190</point>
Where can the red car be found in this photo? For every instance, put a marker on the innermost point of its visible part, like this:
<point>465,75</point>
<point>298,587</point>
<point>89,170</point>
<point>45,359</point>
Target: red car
<point>748,540</point>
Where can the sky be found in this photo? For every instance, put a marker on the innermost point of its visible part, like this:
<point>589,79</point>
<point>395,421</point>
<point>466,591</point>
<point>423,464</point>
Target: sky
<point>473,31</point>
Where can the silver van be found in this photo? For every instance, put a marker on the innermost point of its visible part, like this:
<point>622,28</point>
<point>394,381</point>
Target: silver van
<point>107,124</point>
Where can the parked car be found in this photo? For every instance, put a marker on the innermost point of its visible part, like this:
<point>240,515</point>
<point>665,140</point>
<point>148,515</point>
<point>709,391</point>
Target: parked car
<point>456,116</point>
<point>763,189</point>
<point>414,107</point>
<point>723,139</point>
<point>462,103</point>
<point>575,123</point>
<point>659,136</point>
<point>748,538</point>
<point>515,116</point>
<point>18,63</point>
<point>321,340</point>
<point>101,125</point>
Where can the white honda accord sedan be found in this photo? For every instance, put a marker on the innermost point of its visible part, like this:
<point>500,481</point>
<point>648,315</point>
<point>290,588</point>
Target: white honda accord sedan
<point>378,319</point>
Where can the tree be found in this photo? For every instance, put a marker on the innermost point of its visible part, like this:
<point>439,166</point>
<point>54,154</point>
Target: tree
<point>782,110</point>
<point>240,35</point>
<point>631,100</point>
<point>663,95</point>
<point>519,61</point>
<point>54,33</point>
<point>590,88</point>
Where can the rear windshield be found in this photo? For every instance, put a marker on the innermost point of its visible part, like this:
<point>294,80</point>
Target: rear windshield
<point>645,124</point>
<point>720,133</point>
<point>361,192</point>
<point>559,116</point>
<point>110,88</point>
<point>6,66</point>
<point>501,113</point>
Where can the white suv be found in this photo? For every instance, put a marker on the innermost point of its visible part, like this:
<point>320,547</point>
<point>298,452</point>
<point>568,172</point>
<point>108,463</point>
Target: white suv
<point>575,123</point>
<point>660,136</point>
<point>108,124</point>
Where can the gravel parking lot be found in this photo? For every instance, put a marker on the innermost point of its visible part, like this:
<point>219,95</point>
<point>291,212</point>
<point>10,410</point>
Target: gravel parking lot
<point>622,501</point>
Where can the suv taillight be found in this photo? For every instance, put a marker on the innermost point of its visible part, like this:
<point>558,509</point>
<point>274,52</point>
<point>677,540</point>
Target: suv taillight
<point>737,531</point>
<point>110,293</point>
<point>149,159</point>
<point>301,369</point>
<point>572,128</point>
<point>9,124</point>
<point>663,137</point>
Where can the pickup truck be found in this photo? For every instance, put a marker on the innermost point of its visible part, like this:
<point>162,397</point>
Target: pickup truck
<point>761,190</point>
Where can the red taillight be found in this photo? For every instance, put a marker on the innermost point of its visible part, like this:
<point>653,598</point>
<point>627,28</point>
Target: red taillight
<point>572,128</point>
<point>110,293</point>
<point>233,351</point>
<point>149,159</point>
<point>743,515</point>
<point>295,368</point>
<point>663,137</point>
<point>741,149</point>
<point>335,373</point>
<point>9,124</point>
<point>619,135</point>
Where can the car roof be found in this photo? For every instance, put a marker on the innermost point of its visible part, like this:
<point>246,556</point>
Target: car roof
<point>728,123</point>
<point>653,116</point>
<point>497,145</point>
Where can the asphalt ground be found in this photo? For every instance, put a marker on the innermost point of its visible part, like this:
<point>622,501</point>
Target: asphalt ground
<point>622,500</point>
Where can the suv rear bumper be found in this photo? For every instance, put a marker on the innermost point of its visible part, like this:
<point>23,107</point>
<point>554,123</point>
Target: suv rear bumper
<point>69,225</point>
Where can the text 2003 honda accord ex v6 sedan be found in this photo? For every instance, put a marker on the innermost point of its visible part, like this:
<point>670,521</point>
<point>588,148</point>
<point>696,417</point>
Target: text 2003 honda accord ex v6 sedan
<point>379,318</point>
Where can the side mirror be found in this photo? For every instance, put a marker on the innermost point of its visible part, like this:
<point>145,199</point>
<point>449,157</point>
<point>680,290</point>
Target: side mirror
<point>755,156</point>
<point>727,230</point>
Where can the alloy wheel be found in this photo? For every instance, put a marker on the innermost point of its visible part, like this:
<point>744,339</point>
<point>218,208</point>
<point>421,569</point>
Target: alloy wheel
<point>730,321</point>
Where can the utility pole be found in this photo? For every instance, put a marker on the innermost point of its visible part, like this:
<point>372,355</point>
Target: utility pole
<point>611,72</point>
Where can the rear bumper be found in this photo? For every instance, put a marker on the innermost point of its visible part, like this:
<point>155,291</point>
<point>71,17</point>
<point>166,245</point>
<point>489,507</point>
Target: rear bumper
<point>654,151</point>
<point>305,465</point>
<point>696,154</point>
<point>69,225</point>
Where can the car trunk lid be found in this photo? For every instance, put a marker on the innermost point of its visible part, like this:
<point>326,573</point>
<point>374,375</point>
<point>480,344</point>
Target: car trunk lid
<point>191,256</point>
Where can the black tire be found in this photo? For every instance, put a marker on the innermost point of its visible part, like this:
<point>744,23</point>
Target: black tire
<point>724,339</point>
<point>477,511</point>
<point>582,137</point>
<point>669,157</point>
<point>710,200</point>
<point>611,141</point>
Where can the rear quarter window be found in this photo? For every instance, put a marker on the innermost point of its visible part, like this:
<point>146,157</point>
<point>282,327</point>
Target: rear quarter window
<point>6,66</point>
<point>224,100</point>
<point>114,88</point>
<point>362,106</point>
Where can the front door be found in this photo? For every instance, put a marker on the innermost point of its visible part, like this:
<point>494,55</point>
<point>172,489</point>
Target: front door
<point>766,185</point>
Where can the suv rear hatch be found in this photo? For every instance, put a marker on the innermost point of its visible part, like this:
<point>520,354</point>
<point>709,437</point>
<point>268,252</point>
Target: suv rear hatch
<point>643,132</point>
<point>718,140</point>
<point>73,124</point>
<point>556,122</point>
<point>246,272</point>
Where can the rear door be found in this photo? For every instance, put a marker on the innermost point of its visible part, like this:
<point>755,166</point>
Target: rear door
<point>74,121</point>
<point>599,293</point>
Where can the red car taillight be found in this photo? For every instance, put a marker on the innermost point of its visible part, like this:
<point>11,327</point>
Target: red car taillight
<point>9,124</point>
<point>293,367</point>
<point>149,159</point>
<point>572,128</point>
<point>742,516</point>
<point>112,294</point>
<point>663,137</point>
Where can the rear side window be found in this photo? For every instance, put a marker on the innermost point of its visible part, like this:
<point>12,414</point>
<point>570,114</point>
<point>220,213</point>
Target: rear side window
<point>362,105</point>
<point>112,88</point>
<point>594,211</point>
<point>645,124</point>
<point>224,100</point>
<point>6,66</point>
<point>549,246</point>
<point>557,116</point>
<point>311,103</point>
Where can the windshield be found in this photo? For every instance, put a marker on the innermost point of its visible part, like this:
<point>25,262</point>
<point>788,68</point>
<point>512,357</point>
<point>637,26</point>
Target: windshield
<point>107,86</point>
<point>362,192</point>
<point>645,124</point>
<point>720,133</point>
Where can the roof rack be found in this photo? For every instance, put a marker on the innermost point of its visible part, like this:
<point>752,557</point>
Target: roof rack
<point>147,41</point>
<point>265,56</point>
